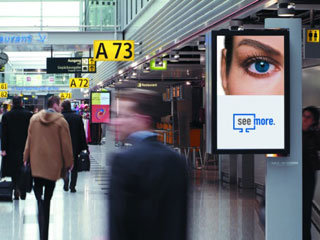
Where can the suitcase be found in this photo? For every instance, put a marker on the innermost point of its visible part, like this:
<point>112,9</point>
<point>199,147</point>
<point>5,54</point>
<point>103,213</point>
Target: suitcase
<point>6,189</point>
<point>83,162</point>
<point>6,186</point>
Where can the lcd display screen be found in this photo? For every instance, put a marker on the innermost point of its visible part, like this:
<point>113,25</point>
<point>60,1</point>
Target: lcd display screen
<point>251,91</point>
<point>100,107</point>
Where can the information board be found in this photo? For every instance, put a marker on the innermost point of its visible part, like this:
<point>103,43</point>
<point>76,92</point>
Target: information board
<point>251,92</point>
<point>71,65</point>
<point>100,107</point>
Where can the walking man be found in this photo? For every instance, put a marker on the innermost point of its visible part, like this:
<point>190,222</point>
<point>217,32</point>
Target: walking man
<point>49,150</point>
<point>148,187</point>
<point>14,135</point>
<point>78,139</point>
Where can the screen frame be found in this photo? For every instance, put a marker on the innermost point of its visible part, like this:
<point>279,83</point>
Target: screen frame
<point>91,106</point>
<point>252,32</point>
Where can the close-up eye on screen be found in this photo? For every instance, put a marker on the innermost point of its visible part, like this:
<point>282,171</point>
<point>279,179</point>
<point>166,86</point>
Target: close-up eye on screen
<point>251,72</point>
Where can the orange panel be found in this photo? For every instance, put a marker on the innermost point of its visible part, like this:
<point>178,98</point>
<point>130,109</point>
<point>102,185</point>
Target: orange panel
<point>195,137</point>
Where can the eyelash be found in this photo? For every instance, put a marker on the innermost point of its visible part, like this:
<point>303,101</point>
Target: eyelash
<point>253,59</point>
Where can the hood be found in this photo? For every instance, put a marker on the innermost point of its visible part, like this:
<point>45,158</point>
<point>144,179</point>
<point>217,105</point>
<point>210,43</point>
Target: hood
<point>48,117</point>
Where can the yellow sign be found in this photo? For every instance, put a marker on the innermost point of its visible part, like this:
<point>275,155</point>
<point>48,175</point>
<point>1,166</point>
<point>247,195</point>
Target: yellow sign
<point>65,95</point>
<point>2,69</point>
<point>113,50</point>
<point>79,82</point>
<point>313,35</point>
<point>3,94</point>
<point>3,86</point>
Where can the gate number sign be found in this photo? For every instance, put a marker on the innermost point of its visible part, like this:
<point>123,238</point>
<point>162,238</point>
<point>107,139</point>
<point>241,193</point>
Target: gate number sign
<point>3,94</point>
<point>3,86</point>
<point>79,82</point>
<point>108,50</point>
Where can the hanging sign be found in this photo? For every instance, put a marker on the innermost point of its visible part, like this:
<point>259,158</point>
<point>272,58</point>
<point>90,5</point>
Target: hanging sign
<point>113,50</point>
<point>3,86</point>
<point>65,96</point>
<point>3,94</point>
<point>79,82</point>
<point>71,65</point>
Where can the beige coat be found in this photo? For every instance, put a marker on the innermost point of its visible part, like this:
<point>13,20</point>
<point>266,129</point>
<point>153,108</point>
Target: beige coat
<point>48,145</point>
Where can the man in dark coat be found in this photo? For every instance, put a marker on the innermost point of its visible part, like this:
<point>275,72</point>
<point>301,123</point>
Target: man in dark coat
<point>15,125</point>
<point>148,188</point>
<point>78,139</point>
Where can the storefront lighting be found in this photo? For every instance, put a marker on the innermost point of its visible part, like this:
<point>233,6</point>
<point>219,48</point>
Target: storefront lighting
<point>188,83</point>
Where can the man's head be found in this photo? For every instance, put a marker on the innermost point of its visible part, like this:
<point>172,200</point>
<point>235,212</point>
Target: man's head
<point>66,106</point>
<point>54,102</point>
<point>137,111</point>
<point>310,118</point>
<point>16,101</point>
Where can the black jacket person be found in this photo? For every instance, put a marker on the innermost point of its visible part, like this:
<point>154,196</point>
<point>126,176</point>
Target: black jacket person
<point>78,140</point>
<point>15,125</point>
<point>148,187</point>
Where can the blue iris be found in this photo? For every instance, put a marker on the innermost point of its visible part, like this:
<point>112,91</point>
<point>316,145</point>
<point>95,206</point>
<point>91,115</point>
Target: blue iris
<point>262,66</point>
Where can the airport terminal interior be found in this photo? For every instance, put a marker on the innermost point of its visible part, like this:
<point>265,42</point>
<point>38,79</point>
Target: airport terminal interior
<point>89,51</point>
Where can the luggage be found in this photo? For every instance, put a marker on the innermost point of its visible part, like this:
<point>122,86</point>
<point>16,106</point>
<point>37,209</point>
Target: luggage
<point>6,189</point>
<point>25,183</point>
<point>83,162</point>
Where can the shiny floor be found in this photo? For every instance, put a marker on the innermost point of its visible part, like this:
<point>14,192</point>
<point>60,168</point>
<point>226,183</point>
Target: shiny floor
<point>217,211</point>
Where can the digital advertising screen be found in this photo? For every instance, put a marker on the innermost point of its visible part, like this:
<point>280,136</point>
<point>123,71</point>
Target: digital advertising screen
<point>250,91</point>
<point>100,107</point>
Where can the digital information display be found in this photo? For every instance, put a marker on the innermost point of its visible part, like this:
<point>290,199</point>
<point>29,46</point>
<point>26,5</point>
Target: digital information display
<point>251,91</point>
<point>100,107</point>
<point>71,65</point>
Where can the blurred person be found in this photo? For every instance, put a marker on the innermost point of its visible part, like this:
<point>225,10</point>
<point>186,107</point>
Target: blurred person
<point>78,139</point>
<point>49,150</point>
<point>15,125</point>
<point>253,65</point>
<point>310,160</point>
<point>148,187</point>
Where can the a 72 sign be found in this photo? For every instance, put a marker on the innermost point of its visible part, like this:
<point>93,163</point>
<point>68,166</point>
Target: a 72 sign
<point>79,82</point>
<point>108,50</point>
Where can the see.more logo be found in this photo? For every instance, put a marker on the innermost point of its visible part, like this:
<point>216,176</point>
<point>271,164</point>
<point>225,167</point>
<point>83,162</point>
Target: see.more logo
<point>245,122</point>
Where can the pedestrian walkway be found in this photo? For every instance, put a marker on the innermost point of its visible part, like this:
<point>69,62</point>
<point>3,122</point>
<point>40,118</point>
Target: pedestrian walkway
<point>217,211</point>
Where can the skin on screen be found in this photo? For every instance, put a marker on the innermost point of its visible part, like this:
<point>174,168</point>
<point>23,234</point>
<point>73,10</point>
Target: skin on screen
<point>257,66</point>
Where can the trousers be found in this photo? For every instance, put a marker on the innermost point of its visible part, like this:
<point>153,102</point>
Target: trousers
<point>43,190</point>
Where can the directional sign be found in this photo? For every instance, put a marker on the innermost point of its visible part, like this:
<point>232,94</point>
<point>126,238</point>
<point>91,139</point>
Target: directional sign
<point>79,82</point>
<point>3,94</point>
<point>71,65</point>
<point>113,50</point>
<point>65,96</point>
<point>3,86</point>
<point>312,35</point>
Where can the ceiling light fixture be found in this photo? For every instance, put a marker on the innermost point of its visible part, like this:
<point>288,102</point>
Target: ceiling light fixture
<point>286,8</point>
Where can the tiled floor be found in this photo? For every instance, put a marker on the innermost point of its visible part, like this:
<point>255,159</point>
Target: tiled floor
<point>217,211</point>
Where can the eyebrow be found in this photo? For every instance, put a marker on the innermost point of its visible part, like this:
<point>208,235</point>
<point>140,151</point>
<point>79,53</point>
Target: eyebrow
<point>260,46</point>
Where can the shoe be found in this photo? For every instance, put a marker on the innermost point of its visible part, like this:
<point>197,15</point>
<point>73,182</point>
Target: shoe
<point>73,190</point>
<point>65,188</point>
<point>23,196</point>
<point>16,194</point>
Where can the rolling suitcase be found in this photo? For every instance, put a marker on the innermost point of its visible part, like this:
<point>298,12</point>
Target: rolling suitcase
<point>6,188</point>
<point>83,163</point>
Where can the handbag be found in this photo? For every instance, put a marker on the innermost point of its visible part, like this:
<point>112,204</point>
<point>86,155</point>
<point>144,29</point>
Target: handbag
<point>26,179</point>
<point>83,161</point>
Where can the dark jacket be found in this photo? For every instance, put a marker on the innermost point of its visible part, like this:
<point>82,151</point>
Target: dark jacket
<point>310,148</point>
<point>148,193</point>
<point>77,133</point>
<point>15,125</point>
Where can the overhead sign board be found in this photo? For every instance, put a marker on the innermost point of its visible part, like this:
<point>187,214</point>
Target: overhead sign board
<point>71,65</point>
<point>108,50</point>
<point>100,107</point>
<point>65,96</point>
<point>251,91</point>
<point>3,86</point>
<point>23,38</point>
<point>79,82</point>
<point>3,94</point>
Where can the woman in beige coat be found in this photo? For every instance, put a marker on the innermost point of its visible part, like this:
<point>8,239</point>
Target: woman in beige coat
<point>49,150</point>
